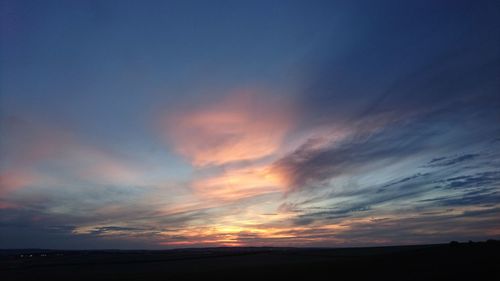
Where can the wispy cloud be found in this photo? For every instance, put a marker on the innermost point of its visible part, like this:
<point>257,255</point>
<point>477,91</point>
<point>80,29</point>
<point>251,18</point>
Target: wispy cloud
<point>242,126</point>
<point>34,149</point>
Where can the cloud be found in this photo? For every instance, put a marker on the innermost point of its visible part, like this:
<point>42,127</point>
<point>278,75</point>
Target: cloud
<point>396,93</point>
<point>230,142</point>
<point>239,183</point>
<point>400,70</point>
<point>430,190</point>
<point>242,126</point>
<point>444,161</point>
<point>309,166</point>
<point>13,179</point>
<point>403,180</point>
<point>392,142</point>
<point>38,154</point>
<point>477,180</point>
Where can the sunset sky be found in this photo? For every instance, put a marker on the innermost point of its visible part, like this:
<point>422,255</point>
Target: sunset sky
<point>166,124</point>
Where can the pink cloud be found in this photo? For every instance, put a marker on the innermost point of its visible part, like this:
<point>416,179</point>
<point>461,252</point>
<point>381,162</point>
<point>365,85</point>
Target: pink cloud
<point>13,179</point>
<point>101,165</point>
<point>242,126</point>
<point>31,145</point>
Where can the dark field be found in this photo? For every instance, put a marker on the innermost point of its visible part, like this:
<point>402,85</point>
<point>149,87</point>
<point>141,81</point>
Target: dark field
<point>465,261</point>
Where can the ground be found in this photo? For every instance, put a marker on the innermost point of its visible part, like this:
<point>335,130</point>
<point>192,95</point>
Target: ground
<point>453,261</point>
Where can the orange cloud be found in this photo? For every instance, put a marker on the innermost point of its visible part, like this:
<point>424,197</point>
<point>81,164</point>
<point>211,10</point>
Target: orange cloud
<point>235,184</point>
<point>250,235</point>
<point>242,126</point>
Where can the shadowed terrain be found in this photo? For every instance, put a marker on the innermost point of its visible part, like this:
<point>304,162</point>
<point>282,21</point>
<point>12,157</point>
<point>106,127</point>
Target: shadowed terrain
<point>463,261</point>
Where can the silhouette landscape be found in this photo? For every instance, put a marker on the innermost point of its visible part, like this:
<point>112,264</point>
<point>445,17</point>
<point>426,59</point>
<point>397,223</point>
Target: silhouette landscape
<point>453,261</point>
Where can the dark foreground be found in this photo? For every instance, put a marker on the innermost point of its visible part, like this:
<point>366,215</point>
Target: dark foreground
<point>465,261</point>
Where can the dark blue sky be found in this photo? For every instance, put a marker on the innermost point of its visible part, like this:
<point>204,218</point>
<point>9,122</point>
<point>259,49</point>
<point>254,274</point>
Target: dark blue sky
<point>148,124</point>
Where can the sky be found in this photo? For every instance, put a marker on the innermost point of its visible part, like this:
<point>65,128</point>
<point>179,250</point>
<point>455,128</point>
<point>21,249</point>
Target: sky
<point>171,124</point>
